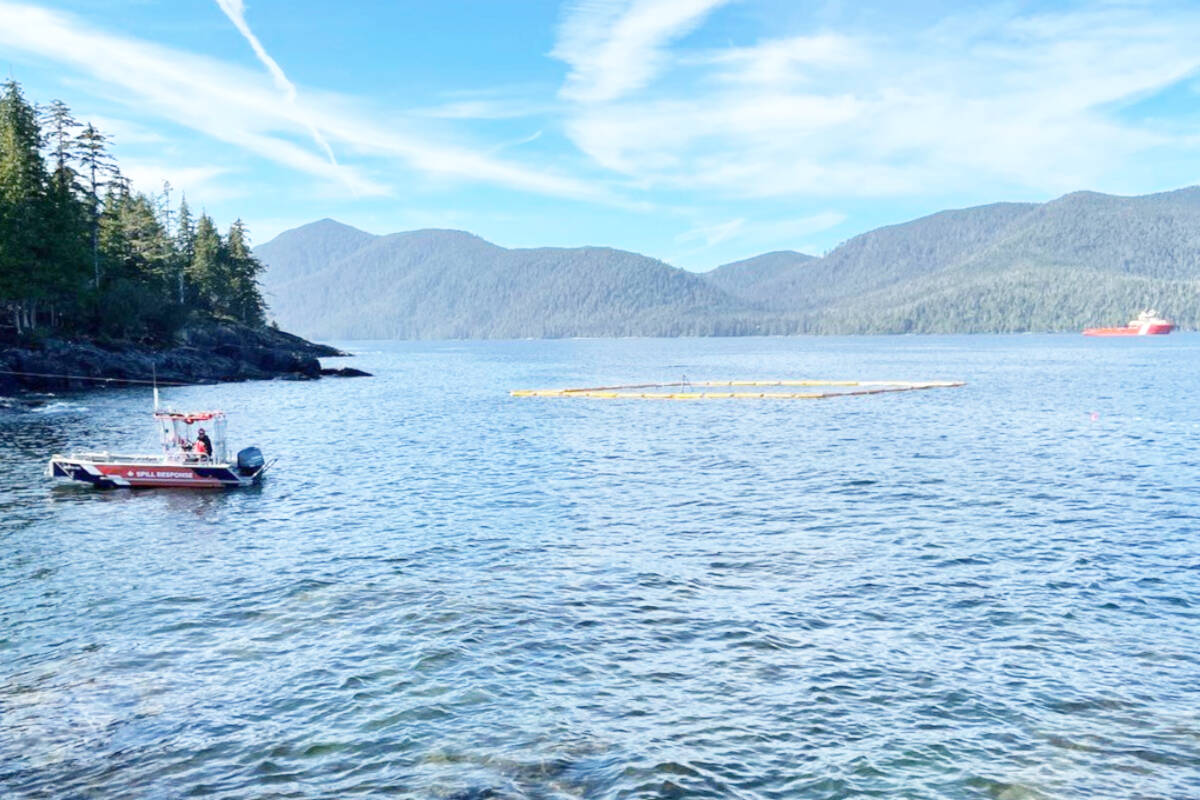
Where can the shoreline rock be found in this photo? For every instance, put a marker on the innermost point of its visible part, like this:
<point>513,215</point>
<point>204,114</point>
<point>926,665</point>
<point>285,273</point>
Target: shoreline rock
<point>204,352</point>
<point>343,372</point>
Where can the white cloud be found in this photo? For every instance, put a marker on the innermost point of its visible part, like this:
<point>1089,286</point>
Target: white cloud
<point>769,231</point>
<point>484,109</point>
<point>1019,102</point>
<point>207,183</point>
<point>234,105</point>
<point>710,235</point>
<point>616,46</point>
<point>777,62</point>
<point>123,131</point>
<point>236,11</point>
<point>533,137</point>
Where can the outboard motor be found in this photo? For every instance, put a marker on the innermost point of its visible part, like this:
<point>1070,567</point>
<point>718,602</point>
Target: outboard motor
<point>249,460</point>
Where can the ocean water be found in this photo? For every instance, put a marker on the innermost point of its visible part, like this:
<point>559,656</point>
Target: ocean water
<point>444,592</point>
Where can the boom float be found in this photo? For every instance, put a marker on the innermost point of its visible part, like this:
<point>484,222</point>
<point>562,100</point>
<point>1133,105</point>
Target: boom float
<point>686,390</point>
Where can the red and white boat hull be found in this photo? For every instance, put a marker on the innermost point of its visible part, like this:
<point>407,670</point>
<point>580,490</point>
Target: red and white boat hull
<point>1148,329</point>
<point>115,474</point>
<point>1147,323</point>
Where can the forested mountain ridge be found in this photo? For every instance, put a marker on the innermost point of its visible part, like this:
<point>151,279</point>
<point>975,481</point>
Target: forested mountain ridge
<point>315,246</point>
<point>890,255</point>
<point>451,284</point>
<point>745,278</point>
<point>1082,259</point>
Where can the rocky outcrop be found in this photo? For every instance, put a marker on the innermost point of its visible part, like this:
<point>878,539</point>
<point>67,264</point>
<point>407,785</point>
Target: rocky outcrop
<point>204,352</point>
<point>344,372</point>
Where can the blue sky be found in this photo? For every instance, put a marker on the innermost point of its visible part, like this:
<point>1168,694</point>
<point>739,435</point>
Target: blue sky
<point>695,131</point>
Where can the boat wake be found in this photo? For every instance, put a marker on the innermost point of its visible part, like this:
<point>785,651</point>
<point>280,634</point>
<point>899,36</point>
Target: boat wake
<point>59,407</point>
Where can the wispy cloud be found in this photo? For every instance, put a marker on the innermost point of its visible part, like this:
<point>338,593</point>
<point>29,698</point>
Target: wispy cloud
<point>234,105</point>
<point>533,137</point>
<point>485,109</point>
<point>785,61</point>
<point>786,232</point>
<point>616,46</point>
<point>208,184</point>
<point>123,131</point>
<point>236,11</point>
<point>712,234</point>
<point>993,97</point>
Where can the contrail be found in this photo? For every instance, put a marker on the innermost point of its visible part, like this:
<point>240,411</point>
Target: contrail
<point>236,11</point>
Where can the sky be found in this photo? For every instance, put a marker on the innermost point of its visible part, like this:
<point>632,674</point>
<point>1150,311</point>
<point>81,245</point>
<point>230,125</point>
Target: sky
<point>698,132</point>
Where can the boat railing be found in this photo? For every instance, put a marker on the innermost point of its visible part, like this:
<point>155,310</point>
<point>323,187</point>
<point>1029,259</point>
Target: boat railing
<point>118,458</point>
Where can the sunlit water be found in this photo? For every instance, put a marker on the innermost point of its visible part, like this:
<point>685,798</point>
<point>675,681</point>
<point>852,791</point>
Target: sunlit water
<point>445,592</point>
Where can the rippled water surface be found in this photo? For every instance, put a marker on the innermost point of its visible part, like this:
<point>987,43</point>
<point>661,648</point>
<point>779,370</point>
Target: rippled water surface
<point>445,592</point>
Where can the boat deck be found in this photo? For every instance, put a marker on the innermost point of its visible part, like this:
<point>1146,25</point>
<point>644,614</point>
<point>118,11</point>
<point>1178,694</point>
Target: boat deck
<point>141,460</point>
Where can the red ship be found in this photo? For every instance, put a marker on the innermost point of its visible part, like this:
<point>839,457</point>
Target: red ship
<point>1148,323</point>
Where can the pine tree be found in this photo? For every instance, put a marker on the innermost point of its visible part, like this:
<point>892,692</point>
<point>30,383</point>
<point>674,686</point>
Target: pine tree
<point>59,128</point>
<point>245,301</point>
<point>66,216</point>
<point>204,271</point>
<point>164,207</point>
<point>185,248</point>
<point>99,169</point>
<point>22,207</point>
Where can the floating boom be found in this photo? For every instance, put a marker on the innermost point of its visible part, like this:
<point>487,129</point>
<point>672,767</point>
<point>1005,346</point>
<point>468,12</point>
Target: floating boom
<point>686,390</point>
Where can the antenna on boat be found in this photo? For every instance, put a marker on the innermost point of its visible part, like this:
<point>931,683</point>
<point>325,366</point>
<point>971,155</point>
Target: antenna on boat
<point>154,379</point>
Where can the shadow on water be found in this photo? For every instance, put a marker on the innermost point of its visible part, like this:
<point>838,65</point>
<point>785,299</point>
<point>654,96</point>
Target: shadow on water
<point>199,501</point>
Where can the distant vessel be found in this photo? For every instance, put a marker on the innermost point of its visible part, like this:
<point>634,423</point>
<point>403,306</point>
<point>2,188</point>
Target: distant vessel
<point>191,461</point>
<point>1148,323</point>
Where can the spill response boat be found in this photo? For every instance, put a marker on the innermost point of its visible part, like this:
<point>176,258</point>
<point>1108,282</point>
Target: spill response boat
<point>1148,323</point>
<point>193,455</point>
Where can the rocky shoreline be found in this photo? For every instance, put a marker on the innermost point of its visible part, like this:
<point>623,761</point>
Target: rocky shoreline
<point>204,352</point>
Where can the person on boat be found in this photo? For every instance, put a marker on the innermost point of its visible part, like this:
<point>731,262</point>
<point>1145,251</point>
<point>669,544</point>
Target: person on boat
<point>203,445</point>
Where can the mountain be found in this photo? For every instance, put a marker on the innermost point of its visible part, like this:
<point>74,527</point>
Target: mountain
<point>744,279</point>
<point>451,284</point>
<point>313,247</point>
<point>1082,259</point>
<point>1085,258</point>
<point>889,256</point>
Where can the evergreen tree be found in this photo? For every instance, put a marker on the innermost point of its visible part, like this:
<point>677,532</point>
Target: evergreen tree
<point>66,215</point>
<point>164,207</point>
<point>138,261</point>
<point>98,169</point>
<point>204,271</point>
<point>59,128</point>
<point>185,249</point>
<point>22,207</point>
<point>244,299</point>
<point>80,249</point>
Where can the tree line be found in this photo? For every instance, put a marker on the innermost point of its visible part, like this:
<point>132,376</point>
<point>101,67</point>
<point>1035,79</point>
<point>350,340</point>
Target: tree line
<point>82,254</point>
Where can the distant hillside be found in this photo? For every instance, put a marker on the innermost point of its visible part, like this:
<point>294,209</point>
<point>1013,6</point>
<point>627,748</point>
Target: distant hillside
<point>1083,259</point>
<point>313,247</point>
<point>744,279</point>
<point>890,256</point>
<point>450,284</point>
